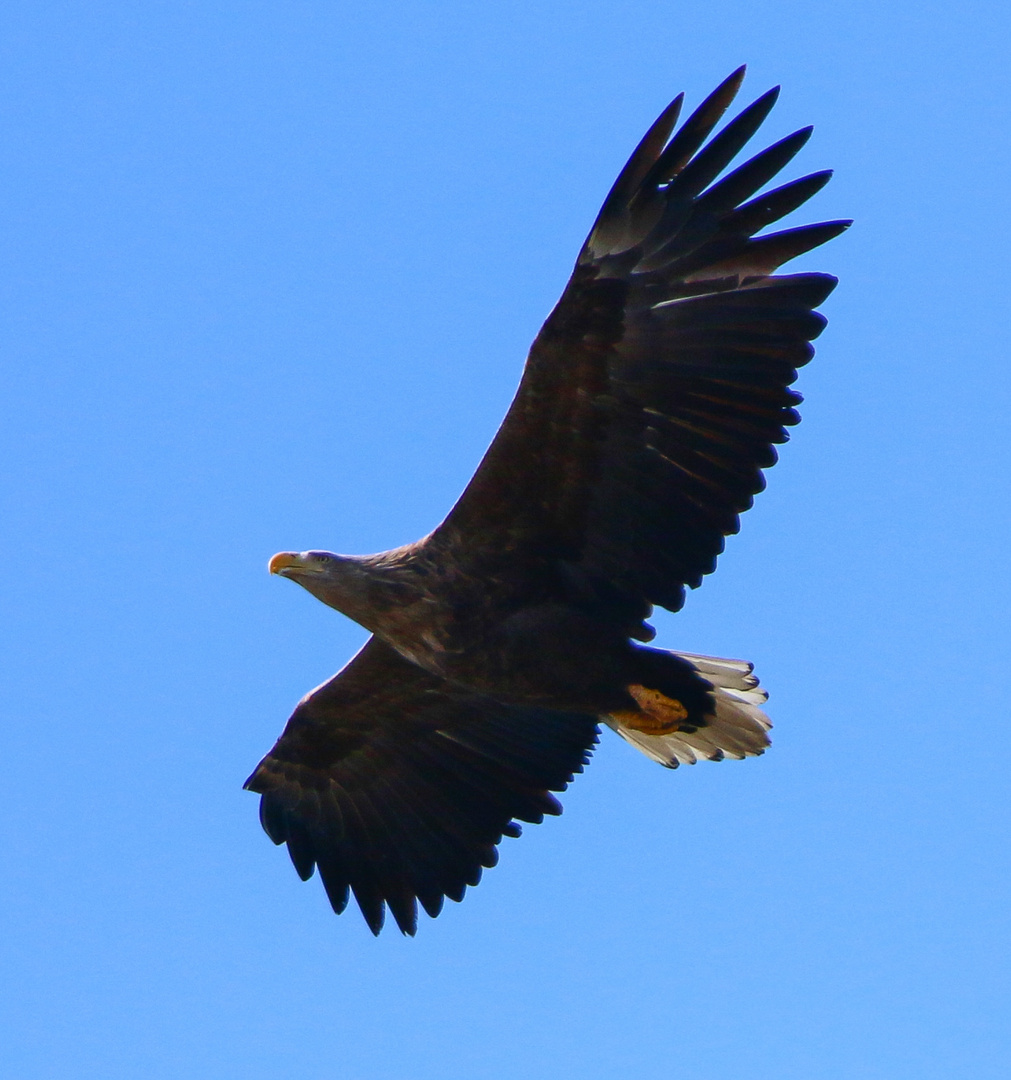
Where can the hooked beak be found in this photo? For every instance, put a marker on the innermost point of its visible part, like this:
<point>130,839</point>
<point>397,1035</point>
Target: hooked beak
<point>287,561</point>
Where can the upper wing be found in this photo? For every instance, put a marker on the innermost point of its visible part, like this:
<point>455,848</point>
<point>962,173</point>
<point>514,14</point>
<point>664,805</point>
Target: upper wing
<point>399,786</point>
<point>656,389</point>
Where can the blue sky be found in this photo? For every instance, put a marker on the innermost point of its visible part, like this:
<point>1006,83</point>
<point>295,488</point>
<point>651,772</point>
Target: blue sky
<point>268,275</point>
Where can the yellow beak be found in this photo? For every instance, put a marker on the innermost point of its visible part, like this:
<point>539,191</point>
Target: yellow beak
<point>284,560</point>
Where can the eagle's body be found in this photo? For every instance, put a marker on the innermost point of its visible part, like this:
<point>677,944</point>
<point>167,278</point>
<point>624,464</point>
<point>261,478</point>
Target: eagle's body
<point>651,400</point>
<point>552,647</point>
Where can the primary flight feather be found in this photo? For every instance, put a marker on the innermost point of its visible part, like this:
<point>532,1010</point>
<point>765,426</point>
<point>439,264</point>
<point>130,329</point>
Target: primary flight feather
<point>651,401</point>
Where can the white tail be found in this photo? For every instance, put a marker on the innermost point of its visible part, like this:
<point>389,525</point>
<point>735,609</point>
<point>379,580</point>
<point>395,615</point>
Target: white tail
<point>736,729</point>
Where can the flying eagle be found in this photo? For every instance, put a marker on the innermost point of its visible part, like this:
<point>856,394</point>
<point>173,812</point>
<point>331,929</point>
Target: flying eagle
<point>650,402</point>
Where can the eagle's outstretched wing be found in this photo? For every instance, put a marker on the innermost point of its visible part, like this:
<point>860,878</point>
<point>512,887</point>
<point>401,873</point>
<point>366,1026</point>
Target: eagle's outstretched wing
<point>657,388</point>
<point>398,786</point>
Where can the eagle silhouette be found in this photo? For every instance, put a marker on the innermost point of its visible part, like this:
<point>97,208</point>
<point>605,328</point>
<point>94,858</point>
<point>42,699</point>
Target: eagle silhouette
<point>651,401</point>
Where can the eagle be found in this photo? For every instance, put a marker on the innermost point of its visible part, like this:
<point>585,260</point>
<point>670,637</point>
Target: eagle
<point>650,402</point>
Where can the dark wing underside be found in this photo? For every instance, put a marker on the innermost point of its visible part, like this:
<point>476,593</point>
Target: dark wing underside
<point>656,390</point>
<point>399,786</point>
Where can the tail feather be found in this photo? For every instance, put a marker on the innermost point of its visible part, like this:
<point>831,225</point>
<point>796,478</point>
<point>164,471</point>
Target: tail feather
<point>736,728</point>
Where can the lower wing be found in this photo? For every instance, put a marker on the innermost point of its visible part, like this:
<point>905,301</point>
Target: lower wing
<point>399,786</point>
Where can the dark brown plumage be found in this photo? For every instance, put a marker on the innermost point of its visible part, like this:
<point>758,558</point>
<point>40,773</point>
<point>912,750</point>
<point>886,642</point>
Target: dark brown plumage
<point>651,400</point>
